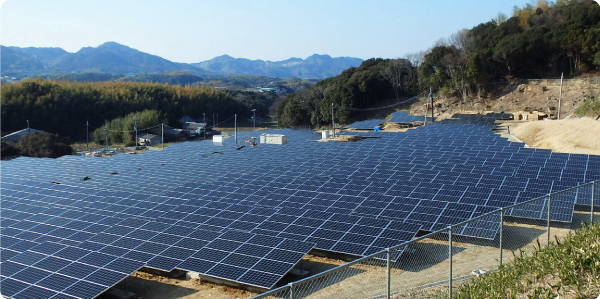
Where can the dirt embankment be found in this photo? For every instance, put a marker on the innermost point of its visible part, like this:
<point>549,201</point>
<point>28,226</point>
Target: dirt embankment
<point>542,96</point>
<point>579,136</point>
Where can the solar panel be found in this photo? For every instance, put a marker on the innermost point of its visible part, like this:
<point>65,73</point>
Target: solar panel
<point>366,124</point>
<point>207,212</point>
<point>403,117</point>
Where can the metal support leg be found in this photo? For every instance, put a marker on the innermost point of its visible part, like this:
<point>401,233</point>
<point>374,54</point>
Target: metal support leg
<point>549,207</point>
<point>389,274</point>
<point>593,197</point>
<point>501,233</point>
<point>292,295</point>
<point>450,262</point>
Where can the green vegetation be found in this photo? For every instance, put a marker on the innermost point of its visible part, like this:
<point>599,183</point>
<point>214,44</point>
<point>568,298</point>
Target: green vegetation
<point>121,129</point>
<point>589,108</point>
<point>538,41</point>
<point>572,267</point>
<point>64,107</point>
<point>361,87</point>
<point>39,145</point>
<point>232,82</point>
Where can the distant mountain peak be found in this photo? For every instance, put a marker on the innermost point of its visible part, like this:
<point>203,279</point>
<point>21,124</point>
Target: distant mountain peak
<point>115,58</point>
<point>113,45</point>
<point>323,56</point>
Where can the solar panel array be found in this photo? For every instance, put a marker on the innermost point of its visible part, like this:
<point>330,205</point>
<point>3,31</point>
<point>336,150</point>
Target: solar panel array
<point>403,117</point>
<point>366,124</point>
<point>250,215</point>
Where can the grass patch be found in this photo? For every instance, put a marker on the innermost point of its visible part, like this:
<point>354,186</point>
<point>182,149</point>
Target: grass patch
<point>570,269</point>
<point>589,108</point>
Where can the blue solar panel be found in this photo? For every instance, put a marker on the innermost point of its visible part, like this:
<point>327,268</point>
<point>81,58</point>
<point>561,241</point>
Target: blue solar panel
<point>403,117</point>
<point>366,125</point>
<point>312,193</point>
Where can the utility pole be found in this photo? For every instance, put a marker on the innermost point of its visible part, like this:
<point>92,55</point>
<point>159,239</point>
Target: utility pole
<point>217,118</point>
<point>204,114</point>
<point>431,97</point>
<point>560,95</point>
<point>254,119</point>
<point>214,123</point>
<point>162,133</point>
<point>332,120</point>
<point>106,134</point>
<point>235,128</point>
<point>87,135</point>
<point>135,128</point>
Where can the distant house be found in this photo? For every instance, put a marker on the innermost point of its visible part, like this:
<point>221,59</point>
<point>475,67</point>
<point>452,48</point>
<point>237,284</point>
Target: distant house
<point>187,119</point>
<point>16,136</point>
<point>193,127</point>
<point>149,139</point>
<point>269,89</point>
<point>178,133</point>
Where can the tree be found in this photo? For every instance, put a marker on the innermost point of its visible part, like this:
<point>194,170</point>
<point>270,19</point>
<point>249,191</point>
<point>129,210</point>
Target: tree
<point>400,74</point>
<point>47,145</point>
<point>500,18</point>
<point>8,150</point>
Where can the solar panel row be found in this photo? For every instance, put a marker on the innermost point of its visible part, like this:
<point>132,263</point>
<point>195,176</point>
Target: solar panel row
<point>366,124</point>
<point>353,198</point>
<point>403,117</point>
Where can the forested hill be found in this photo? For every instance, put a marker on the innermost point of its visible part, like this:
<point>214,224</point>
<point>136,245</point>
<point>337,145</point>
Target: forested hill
<point>543,40</point>
<point>64,107</point>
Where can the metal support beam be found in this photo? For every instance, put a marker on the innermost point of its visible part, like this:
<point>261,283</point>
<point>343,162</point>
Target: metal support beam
<point>292,294</point>
<point>549,209</point>
<point>450,262</point>
<point>501,233</point>
<point>592,204</point>
<point>389,274</point>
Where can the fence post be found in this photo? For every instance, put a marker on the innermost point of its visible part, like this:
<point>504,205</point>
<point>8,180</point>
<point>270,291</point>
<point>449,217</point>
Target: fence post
<point>501,232</point>
<point>592,209</point>
<point>450,261</point>
<point>549,206</point>
<point>292,295</point>
<point>389,274</point>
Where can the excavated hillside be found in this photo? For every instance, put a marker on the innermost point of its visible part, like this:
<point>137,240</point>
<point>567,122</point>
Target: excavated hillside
<point>537,96</point>
<point>535,109</point>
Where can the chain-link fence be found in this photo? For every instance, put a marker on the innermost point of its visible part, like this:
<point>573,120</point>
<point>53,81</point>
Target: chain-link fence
<point>565,82</point>
<point>432,265</point>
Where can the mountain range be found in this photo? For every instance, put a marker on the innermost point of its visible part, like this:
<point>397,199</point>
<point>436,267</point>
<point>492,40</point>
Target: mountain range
<point>114,58</point>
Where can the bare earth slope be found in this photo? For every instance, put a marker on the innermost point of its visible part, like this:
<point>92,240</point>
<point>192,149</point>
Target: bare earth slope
<point>579,136</point>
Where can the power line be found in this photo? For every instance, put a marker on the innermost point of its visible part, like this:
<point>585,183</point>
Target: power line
<point>385,107</point>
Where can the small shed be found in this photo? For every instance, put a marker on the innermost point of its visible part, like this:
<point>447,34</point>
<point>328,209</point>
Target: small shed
<point>273,139</point>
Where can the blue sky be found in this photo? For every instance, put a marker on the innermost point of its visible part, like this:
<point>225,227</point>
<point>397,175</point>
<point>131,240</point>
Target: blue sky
<point>196,30</point>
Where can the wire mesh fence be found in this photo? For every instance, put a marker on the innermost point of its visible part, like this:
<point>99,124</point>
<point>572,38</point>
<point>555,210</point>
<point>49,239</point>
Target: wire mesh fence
<point>566,82</point>
<point>435,264</point>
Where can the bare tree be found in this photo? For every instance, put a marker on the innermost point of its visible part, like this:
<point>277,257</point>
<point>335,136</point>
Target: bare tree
<point>416,59</point>
<point>399,73</point>
<point>455,66</point>
<point>442,42</point>
<point>463,41</point>
<point>500,18</point>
